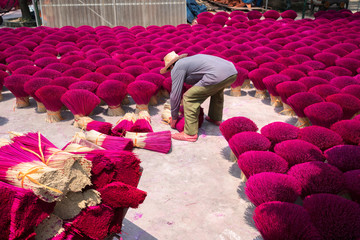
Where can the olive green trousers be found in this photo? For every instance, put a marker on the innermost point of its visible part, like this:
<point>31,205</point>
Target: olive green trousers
<point>196,95</point>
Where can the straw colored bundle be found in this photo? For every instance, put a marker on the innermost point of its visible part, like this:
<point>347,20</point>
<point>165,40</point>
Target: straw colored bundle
<point>109,142</point>
<point>154,141</point>
<point>50,96</point>
<point>166,114</point>
<point>88,124</point>
<point>142,123</point>
<point>124,124</point>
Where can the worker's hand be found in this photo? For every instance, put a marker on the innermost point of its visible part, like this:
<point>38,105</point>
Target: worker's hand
<point>173,123</point>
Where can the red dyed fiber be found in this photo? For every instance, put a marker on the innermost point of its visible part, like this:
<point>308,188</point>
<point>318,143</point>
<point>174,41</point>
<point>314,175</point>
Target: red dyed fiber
<point>289,88</point>
<point>27,70</point>
<point>254,14</point>
<point>349,130</point>
<point>154,78</point>
<point>94,77</point>
<point>267,187</point>
<point>60,67</point>
<point>344,157</point>
<point>50,96</point>
<point>343,81</point>
<point>136,70</point>
<point>279,131</point>
<point>350,104</point>
<point>48,73</point>
<point>298,151</point>
<point>273,80</point>
<point>86,85</point>
<point>86,64</point>
<point>122,77</point>
<point>324,114</point>
<point>102,127</point>
<point>352,89</point>
<point>339,71</point>
<point>293,74</point>
<point>236,125</point>
<point>351,179</point>
<point>282,220</point>
<point>318,177</point>
<point>324,90</point>
<point>342,219</point>
<point>94,221</point>
<point>64,81</point>
<point>141,91</point>
<point>34,84</point>
<point>247,141</point>
<point>43,62</point>
<point>122,127</point>
<point>120,195</point>
<point>257,76</point>
<point>80,102</point>
<point>277,67</point>
<point>112,92</point>
<point>253,162</point>
<point>76,72</point>
<point>18,64</point>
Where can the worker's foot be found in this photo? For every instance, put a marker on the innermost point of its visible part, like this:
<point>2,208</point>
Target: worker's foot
<point>207,118</point>
<point>184,137</point>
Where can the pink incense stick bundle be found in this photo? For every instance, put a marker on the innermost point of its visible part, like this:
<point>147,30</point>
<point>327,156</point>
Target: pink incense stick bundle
<point>15,83</point>
<point>109,142</point>
<point>94,77</point>
<point>349,130</point>
<point>50,96</point>
<point>80,102</point>
<point>268,186</point>
<point>32,86</point>
<point>240,79</point>
<point>344,157</point>
<point>351,179</point>
<point>21,212</point>
<point>322,137</point>
<point>112,92</point>
<point>342,219</point>
<point>113,166</point>
<point>48,73</point>
<point>124,125</point>
<point>94,221</point>
<point>141,92</point>
<point>282,220</point>
<point>3,75</point>
<point>120,195</point>
<point>248,141</point>
<point>235,125</point>
<point>271,82</point>
<point>86,85</point>
<point>350,104</point>
<point>317,177</point>
<point>324,114</point>
<point>154,141</point>
<point>142,123</point>
<point>64,81</point>
<point>154,78</point>
<point>89,124</point>
<point>257,76</point>
<point>27,70</point>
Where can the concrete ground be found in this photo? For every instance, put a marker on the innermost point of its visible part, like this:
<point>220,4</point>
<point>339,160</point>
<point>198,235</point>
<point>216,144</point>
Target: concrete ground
<point>194,192</point>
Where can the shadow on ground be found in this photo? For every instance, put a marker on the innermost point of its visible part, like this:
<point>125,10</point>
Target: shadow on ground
<point>3,121</point>
<point>132,232</point>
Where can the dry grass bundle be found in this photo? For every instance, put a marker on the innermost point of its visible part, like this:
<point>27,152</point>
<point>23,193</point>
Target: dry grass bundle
<point>124,125</point>
<point>112,92</point>
<point>80,102</point>
<point>109,142</point>
<point>154,141</point>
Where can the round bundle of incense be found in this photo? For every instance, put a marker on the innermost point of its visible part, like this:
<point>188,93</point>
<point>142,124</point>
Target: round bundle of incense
<point>154,141</point>
<point>270,83</point>
<point>142,123</point>
<point>15,83</point>
<point>64,81</point>
<point>124,124</point>
<point>286,90</point>
<point>32,86</point>
<point>166,85</point>
<point>86,85</point>
<point>141,92</point>
<point>23,169</point>
<point>80,102</point>
<point>112,92</point>
<point>50,96</point>
<point>155,78</point>
<point>257,76</point>
<point>3,74</point>
<point>88,124</point>
<point>351,179</point>
<point>240,79</point>
<point>109,142</point>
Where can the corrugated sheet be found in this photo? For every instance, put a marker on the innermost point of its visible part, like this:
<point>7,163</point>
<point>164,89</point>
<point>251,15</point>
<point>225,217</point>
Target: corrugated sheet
<point>128,13</point>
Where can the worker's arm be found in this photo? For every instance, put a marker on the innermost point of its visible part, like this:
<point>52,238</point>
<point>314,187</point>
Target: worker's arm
<point>178,75</point>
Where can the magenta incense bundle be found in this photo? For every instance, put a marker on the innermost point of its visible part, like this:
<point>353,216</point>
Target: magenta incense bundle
<point>86,85</point>
<point>248,141</point>
<point>268,186</point>
<point>124,125</point>
<point>3,75</point>
<point>109,142</point>
<point>351,179</point>
<point>235,125</point>
<point>344,157</point>
<point>322,137</point>
<point>283,220</point>
<point>279,131</point>
<point>270,83</point>
<point>142,123</point>
<point>80,102</point>
<point>141,92</point>
<point>121,195</point>
<point>154,78</point>
<point>318,177</point>
<point>154,141</point>
<point>256,76</point>
<point>32,86</point>
<point>50,96</point>
<point>15,84</point>
<point>89,124</point>
<point>112,92</point>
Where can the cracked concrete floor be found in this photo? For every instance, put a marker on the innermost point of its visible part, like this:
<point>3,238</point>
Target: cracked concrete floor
<point>194,192</point>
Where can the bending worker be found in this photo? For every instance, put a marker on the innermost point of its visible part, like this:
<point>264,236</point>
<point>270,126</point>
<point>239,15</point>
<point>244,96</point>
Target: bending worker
<point>209,76</point>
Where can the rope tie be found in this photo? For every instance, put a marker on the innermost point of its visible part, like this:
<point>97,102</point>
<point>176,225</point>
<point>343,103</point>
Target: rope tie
<point>135,141</point>
<point>114,107</point>
<point>96,141</point>
<point>21,176</point>
<point>142,108</point>
<point>41,156</point>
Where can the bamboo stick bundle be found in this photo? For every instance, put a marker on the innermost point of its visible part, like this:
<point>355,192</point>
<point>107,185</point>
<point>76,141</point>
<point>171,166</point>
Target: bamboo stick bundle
<point>124,124</point>
<point>154,141</point>
<point>109,142</point>
<point>88,124</point>
<point>142,123</point>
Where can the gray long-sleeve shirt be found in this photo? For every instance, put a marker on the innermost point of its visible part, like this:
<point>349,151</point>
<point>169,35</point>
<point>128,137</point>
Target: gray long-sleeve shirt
<point>198,70</point>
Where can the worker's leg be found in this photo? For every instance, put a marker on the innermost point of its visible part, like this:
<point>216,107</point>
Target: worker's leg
<point>217,99</point>
<point>192,100</point>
